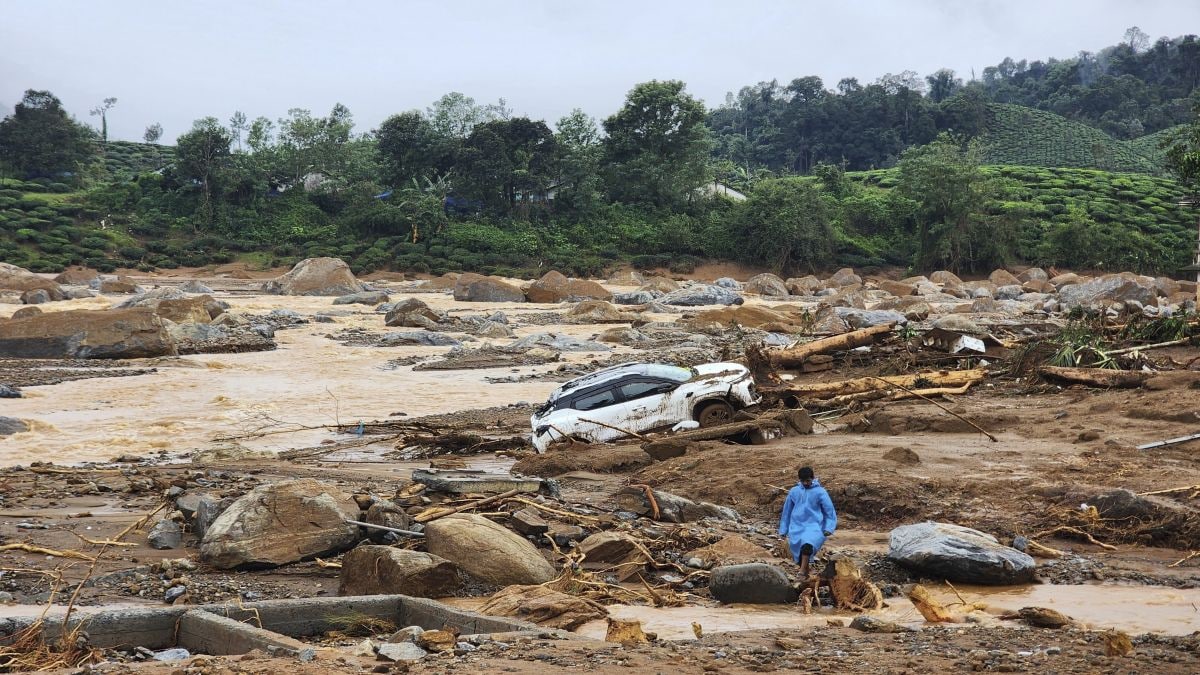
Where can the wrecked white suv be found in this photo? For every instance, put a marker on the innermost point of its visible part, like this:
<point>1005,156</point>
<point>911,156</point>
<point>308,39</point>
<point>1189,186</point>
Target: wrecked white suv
<point>636,397</point>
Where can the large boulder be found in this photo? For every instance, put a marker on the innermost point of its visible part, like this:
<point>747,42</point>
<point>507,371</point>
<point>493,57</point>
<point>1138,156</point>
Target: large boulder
<point>76,276</point>
<point>543,606</point>
<point>755,583</point>
<point>944,278</point>
<point>956,553</point>
<point>12,425</point>
<point>1004,278</point>
<point>487,551</point>
<point>807,285</point>
<point>19,279</point>
<point>897,288</point>
<point>362,298</point>
<point>1106,289</point>
<point>413,313</point>
<point>616,551</point>
<point>281,523</point>
<point>705,294</point>
<point>86,334</point>
<point>316,276</point>
<point>383,570</point>
<point>554,287</point>
<point>173,304</point>
<point>844,277</point>
<point>598,311</point>
<point>660,285</point>
<point>477,288</point>
<point>766,284</point>
<point>117,285</point>
<point>671,508</point>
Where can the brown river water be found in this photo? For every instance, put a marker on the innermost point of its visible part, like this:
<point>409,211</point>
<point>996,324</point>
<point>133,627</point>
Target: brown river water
<point>310,380</point>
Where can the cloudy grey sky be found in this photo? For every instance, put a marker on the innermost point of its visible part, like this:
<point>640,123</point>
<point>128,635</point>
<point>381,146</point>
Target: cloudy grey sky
<point>172,62</point>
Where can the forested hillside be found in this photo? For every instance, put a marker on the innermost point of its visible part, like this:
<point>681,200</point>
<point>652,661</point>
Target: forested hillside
<point>1064,162</point>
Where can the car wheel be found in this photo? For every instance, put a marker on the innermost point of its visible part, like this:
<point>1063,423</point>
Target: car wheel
<point>714,413</point>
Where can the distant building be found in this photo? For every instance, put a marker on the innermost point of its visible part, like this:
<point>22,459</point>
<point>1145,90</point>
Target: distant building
<point>719,189</point>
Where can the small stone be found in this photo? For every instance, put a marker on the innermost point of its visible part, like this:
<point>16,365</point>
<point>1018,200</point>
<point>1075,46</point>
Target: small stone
<point>402,651</point>
<point>173,593</point>
<point>165,534</point>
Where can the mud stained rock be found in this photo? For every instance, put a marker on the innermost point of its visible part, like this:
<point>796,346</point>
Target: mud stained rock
<point>730,550</point>
<point>600,458</point>
<point>281,523</point>
<point>554,287</point>
<point>487,551</point>
<point>543,606</point>
<point>316,276</point>
<point>1044,617</point>
<point>383,570</point>
<point>86,334</point>
<point>15,278</point>
<point>615,551</point>
<point>902,455</point>
<point>477,288</point>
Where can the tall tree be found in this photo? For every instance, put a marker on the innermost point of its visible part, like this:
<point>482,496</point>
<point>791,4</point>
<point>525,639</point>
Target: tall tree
<point>786,225</point>
<point>508,164</point>
<point>579,150</point>
<point>41,140</point>
<point>101,111</point>
<point>153,133</point>
<point>202,155</point>
<point>954,231</point>
<point>238,126</point>
<point>410,148</point>
<point>656,152</point>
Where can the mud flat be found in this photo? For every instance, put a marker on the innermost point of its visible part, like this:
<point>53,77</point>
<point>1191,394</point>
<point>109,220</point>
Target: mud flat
<point>111,468</point>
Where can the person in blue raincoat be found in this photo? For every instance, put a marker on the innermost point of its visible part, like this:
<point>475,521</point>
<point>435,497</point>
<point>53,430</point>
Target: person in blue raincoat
<point>808,518</point>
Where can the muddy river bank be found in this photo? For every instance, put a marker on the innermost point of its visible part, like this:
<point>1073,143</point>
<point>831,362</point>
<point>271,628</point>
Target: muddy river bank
<point>106,458</point>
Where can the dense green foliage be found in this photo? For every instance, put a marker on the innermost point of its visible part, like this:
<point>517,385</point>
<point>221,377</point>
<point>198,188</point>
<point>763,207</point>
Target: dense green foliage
<point>921,173</point>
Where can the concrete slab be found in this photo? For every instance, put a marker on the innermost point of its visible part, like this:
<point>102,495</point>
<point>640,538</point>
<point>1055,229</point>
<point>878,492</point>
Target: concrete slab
<point>202,632</point>
<point>459,481</point>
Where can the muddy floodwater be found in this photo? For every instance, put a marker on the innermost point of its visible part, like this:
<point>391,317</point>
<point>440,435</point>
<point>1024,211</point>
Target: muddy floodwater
<point>309,380</point>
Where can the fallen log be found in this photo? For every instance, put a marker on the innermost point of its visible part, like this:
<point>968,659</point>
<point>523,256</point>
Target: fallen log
<point>796,356</point>
<point>890,395</point>
<point>1097,377</point>
<point>825,390</point>
<point>436,512</point>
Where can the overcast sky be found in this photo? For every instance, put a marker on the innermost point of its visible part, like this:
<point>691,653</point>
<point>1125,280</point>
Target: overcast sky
<point>172,62</point>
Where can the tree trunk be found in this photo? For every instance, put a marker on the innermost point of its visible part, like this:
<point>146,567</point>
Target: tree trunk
<point>796,356</point>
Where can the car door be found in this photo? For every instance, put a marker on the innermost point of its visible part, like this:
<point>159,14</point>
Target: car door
<point>598,405</point>
<point>646,403</point>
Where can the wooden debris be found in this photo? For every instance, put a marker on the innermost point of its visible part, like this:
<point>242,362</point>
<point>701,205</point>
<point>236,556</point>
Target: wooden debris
<point>30,548</point>
<point>1076,531</point>
<point>435,513</point>
<point>547,509</point>
<point>1097,377</point>
<point>628,633</point>
<point>1041,551</point>
<point>1044,617</point>
<point>850,590</point>
<point>826,390</point>
<point>796,356</point>
<point>1177,563</point>
<point>932,610</point>
<point>1184,488</point>
<point>1117,643</point>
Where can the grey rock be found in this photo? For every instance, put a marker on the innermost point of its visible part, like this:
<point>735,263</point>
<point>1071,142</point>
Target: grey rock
<point>767,285</point>
<point>1009,292</point>
<point>12,425</point>
<point>696,296</point>
<point>957,322</point>
<point>871,624</point>
<point>174,593</point>
<point>1106,289</point>
<point>175,654</point>
<point>726,282</point>
<point>636,297</point>
<point>323,318</point>
<point>959,554</point>
<point>756,583</point>
<point>207,509</point>
<point>194,286</point>
<point>559,343</point>
<point>408,634</point>
<point>418,337</point>
<point>36,296</point>
<point>79,293</point>
<point>8,391</point>
<point>362,298</point>
<point>865,318</point>
<point>165,534</point>
<point>316,276</point>
<point>401,651</point>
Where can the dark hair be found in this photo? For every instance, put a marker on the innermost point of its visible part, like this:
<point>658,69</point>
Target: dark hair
<point>805,473</point>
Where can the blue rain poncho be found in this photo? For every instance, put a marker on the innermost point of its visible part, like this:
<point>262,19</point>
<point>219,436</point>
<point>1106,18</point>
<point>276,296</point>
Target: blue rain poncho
<point>807,515</point>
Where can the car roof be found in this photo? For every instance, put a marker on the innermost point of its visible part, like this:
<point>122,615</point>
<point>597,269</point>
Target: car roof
<point>662,370</point>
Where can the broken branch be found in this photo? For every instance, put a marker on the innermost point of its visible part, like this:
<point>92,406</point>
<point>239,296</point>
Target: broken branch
<point>30,548</point>
<point>948,411</point>
<point>434,514</point>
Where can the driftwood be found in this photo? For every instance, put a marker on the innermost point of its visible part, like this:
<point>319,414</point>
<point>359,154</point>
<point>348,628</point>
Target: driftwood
<point>931,609</point>
<point>435,513</point>
<point>888,395</point>
<point>1097,377</point>
<point>796,356</point>
<point>826,390</point>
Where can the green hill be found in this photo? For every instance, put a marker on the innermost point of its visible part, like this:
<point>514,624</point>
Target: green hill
<point>1028,137</point>
<point>125,159</point>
